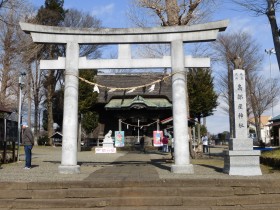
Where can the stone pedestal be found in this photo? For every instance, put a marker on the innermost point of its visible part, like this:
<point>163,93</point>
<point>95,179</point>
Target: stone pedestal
<point>108,146</point>
<point>242,162</point>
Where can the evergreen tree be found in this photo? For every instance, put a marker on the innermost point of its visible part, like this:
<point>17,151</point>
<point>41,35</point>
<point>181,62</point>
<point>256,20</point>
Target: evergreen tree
<point>87,101</point>
<point>52,14</point>
<point>203,98</point>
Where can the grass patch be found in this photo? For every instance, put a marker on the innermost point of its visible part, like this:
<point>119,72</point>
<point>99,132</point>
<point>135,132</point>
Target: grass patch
<point>271,154</point>
<point>271,159</point>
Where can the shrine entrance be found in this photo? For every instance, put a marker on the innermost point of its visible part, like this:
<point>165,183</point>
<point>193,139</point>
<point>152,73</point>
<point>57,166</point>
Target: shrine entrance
<point>137,112</point>
<point>175,36</point>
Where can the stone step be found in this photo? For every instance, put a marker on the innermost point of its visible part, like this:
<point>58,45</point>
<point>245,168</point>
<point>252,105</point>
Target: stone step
<point>162,194</point>
<point>255,207</point>
<point>162,201</point>
<point>115,192</point>
<point>246,183</point>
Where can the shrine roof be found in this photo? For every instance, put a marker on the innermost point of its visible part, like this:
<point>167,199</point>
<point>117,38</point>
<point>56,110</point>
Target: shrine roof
<point>138,102</point>
<point>162,89</point>
<point>4,110</point>
<point>56,135</point>
<point>276,118</point>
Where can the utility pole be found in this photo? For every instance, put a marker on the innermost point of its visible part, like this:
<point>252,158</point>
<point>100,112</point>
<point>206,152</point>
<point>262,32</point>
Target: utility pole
<point>21,84</point>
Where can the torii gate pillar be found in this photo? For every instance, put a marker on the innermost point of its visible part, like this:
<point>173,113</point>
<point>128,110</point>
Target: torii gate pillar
<point>70,111</point>
<point>180,112</point>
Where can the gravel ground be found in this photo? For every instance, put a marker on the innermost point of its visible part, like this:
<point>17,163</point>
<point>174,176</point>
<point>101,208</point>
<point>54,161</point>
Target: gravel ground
<point>45,162</point>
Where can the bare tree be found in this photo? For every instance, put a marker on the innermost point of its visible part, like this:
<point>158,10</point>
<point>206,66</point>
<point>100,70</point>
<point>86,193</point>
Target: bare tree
<point>150,13</point>
<point>38,95</point>
<point>170,12</point>
<point>267,8</point>
<point>9,52</point>
<point>263,93</point>
<point>78,19</point>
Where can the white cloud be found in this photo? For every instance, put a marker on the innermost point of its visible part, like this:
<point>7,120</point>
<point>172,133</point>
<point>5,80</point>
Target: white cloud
<point>103,10</point>
<point>251,25</point>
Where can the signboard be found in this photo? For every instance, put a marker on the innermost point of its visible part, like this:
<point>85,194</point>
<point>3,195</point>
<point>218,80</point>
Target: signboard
<point>157,136</point>
<point>119,138</point>
<point>105,150</point>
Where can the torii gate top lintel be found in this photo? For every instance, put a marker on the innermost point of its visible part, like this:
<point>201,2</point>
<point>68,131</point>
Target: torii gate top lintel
<point>193,33</point>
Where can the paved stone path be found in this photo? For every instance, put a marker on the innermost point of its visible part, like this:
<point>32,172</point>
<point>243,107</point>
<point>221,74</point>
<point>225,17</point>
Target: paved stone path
<point>130,167</point>
<point>123,165</point>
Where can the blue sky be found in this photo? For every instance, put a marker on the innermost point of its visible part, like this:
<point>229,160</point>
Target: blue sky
<point>113,14</point>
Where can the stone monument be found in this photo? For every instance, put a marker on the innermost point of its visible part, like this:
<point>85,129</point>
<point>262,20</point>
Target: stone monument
<point>241,159</point>
<point>108,144</point>
<point>108,141</point>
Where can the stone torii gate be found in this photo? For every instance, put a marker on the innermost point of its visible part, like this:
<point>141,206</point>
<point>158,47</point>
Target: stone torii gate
<point>176,36</point>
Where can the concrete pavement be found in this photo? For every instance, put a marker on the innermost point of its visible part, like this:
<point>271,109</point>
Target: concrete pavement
<point>130,166</point>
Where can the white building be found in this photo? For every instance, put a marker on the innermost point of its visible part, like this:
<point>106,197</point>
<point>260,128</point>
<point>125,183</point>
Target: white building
<point>265,128</point>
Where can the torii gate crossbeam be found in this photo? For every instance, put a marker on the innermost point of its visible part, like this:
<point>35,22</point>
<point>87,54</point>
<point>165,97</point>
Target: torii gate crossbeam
<point>176,36</point>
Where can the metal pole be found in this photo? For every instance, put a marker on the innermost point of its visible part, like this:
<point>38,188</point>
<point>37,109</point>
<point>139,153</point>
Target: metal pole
<point>138,131</point>
<point>19,116</point>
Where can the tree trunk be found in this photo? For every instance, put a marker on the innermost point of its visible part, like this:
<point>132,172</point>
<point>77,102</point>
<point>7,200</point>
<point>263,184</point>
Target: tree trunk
<point>192,152</point>
<point>230,102</point>
<point>50,91</point>
<point>172,10</point>
<point>253,103</point>
<point>199,143</point>
<point>28,87</point>
<point>4,82</point>
<point>274,29</point>
<point>36,91</point>
<point>6,66</point>
<point>36,132</point>
<point>258,128</point>
<point>50,118</point>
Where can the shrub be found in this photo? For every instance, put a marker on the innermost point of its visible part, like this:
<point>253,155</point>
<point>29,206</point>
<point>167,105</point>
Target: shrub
<point>43,140</point>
